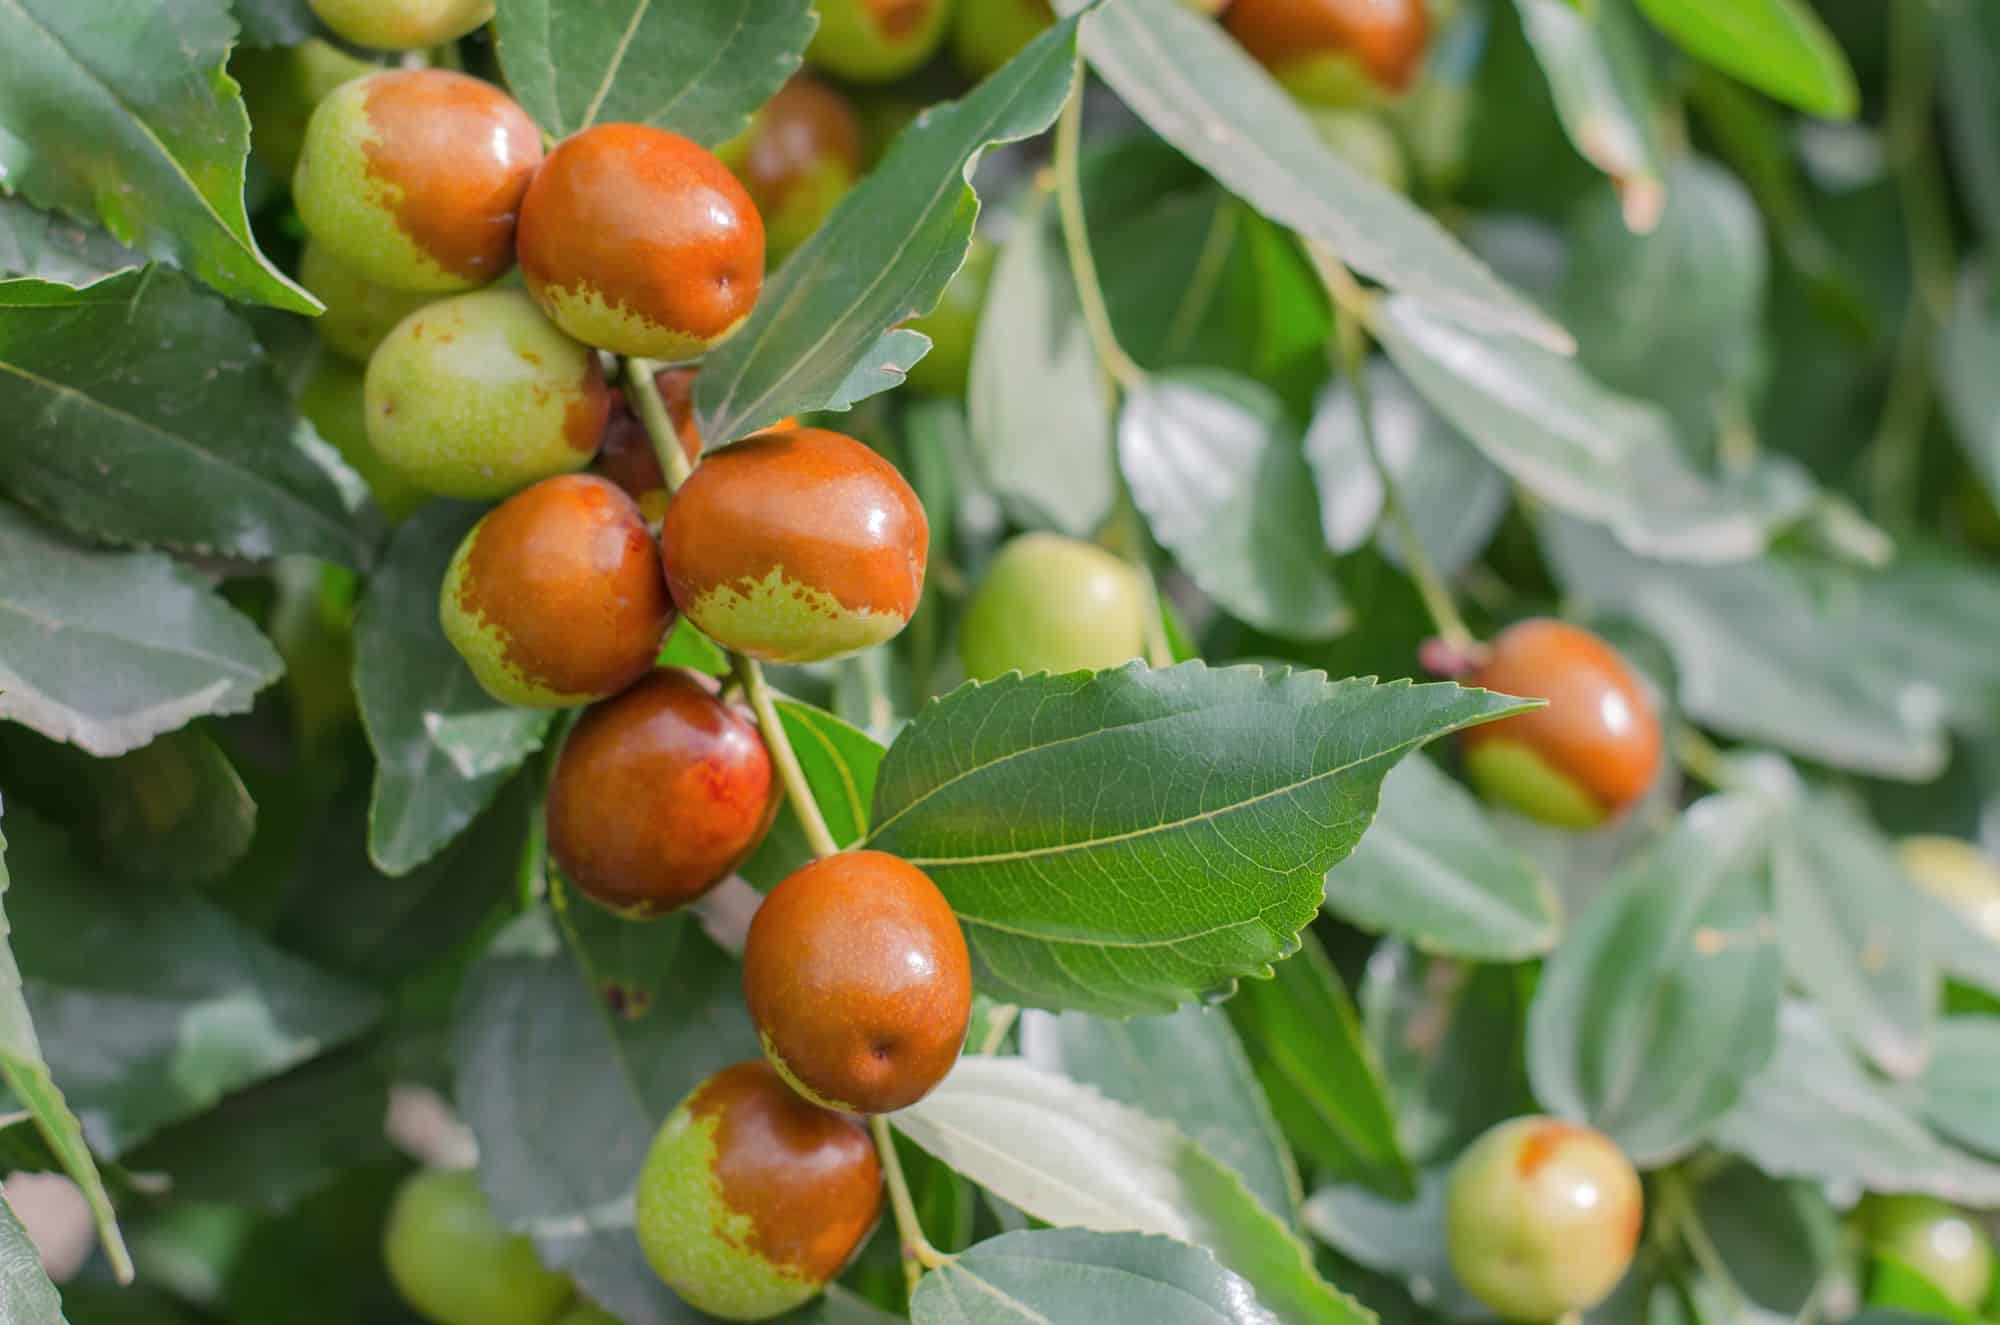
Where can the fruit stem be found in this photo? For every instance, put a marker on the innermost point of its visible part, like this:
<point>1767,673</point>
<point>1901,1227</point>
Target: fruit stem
<point>1002,1020</point>
<point>797,789</point>
<point>1076,240</point>
<point>1699,756</point>
<point>1677,1206</point>
<point>918,1253</point>
<point>644,393</point>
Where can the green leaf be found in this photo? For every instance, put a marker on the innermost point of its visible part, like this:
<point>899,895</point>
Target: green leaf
<point>1969,47</point>
<point>1960,950</point>
<point>1896,1284</point>
<point>1963,1080</point>
<point>1033,1278</point>
<point>319,1263</point>
<point>1046,453</point>
<point>1433,869</point>
<point>1404,1240</point>
<point>1585,450</point>
<point>121,112</point>
<point>698,69</point>
<point>1320,1074</point>
<point>1843,912</point>
<point>26,1295</point>
<point>1775,1238</point>
<point>1777,46</point>
<point>147,413</point>
<point>1217,801</point>
<point>1663,999</point>
<point>1186,1068</point>
<point>1200,91</point>
<point>883,256</point>
<point>688,647</point>
<point>1597,75</point>
<point>48,247</point>
<point>275,22</point>
<point>1813,1112</point>
<point>443,746</point>
<point>840,763</point>
<point>107,650</point>
<point>1966,354</point>
<point>201,1005</point>
<point>882,368</point>
<point>1211,461</point>
<point>636,1015</point>
<point>1066,1155</point>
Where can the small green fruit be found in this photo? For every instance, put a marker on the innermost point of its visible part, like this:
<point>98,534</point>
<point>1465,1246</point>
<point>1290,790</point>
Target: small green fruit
<point>281,85</point>
<point>986,34</point>
<point>1053,604</point>
<point>402,25</point>
<point>359,313</point>
<point>1938,1242</point>
<point>952,325</point>
<point>333,401</point>
<point>876,41</point>
<point>454,1262</point>
<point>479,395</point>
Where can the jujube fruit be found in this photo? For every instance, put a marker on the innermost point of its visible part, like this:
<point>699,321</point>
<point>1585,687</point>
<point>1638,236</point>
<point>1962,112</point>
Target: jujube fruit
<point>333,399</point>
<point>1590,753</point>
<point>796,546</point>
<point>414,178</point>
<point>858,981</point>
<point>985,34</point>
<point>801,154</point>
<point>456,1264</point>
<point>479,395</point>
<point>626,455</point>
<point>953,326</point>
<point>281,86</point>
<point>1940,1243</point>
<point>402,25</point>
<point>1541,1218</point>
<point>556,596</point>
<point>1958,874</point>
<point>1335,52</point>
<point>639,241</point>
<point>875,41</point>
<point>658,794</point>
<point>1052,604</point>
<point>359,313</point>
<point>751,1199</point>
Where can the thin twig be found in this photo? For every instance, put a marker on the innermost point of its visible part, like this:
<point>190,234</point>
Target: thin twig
<point>918,1253</point>
<point>800,792</point>
<point>1076,240</point>
<point>996,1030</point>
<point>644,393</point>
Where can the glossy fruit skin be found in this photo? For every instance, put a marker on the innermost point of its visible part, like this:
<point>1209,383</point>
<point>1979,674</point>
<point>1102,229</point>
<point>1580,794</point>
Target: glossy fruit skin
<point>658,794</point>
<point>479,395</point>
<point>985,34</point>
<point>1936,1240</point>
<point>801,154</point>
<point>281,86</point>
<point>953,326</point>
<point>877,41</point>
<point>626,457</point>
<point>1049,603</point>
<point>333,400</point>
<point>1958,874</point>
<point>639,241</point>
<point>454,1262</point>
<point>796,546</point>
<point>1541,1218</point>
<point>414,178</point>
<point>1335,52</point>
<point>402,25</point>
<point>1590,753</point>
<point>751,1199</point>
<point>858,981</point>
<point>556,596</point>
<point>359,313</point>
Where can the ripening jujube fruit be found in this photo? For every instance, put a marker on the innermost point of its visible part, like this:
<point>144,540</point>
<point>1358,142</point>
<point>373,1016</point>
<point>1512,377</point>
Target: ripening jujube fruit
<point>641,242</point>
<point>876,41</point>
<point>803,151</point>
<point>752,1199</point>
<point>415,178</point>
<point>1335,52</point>
<point>858,981</point>
<point>556,596</point>
<point>1590,753</point>
<point>658,794</point>
<point>456,1264</point>
<point>1542,1217</point>
<point>281,86</point>
<point>1939,1242</point>
<point>479,395</point>
<point>796,546</point>
<point>985,34</point>
<point>333,399</point>
<point>1958,874</point>
<point>953,326</point>
<point>359,314</point>
<point>1049,603</point>
<point>402,25</point>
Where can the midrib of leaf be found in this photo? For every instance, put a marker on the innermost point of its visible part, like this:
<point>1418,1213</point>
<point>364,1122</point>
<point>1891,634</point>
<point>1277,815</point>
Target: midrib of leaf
<point>1206,280</point>
<point>847,786</point>
<point>617,61</point>
<point>993,1290</point>
<point>1455,883</point>
<point>232,666</point>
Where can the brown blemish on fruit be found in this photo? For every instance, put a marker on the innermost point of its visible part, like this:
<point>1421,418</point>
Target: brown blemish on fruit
<point>808,1179</point>
<point>1541,1145</point>
<point>650,221</point>
<point>456,154</point>
<point>796,133</point>
<point>658,794</point>
<point>899,18</point>
<point>835,516</point>
<point>566,575</point>
<point>857,977</point>
<point>1388,37</point>
<point>585,416</point>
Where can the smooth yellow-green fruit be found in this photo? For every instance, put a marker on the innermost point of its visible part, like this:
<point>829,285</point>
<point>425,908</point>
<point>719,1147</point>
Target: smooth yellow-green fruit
<point>985,34</point>
<point>952,325</point>
<point>359,313</point>
<point>454,1262</point>
<point>479,395</point>
<point>333,401</point>
<point>875,41</point>
<point>1958,874</point>
<point>1939,1242</point>
<point>281,85</point>
<point>1053,604</point>
<point>402,25</point>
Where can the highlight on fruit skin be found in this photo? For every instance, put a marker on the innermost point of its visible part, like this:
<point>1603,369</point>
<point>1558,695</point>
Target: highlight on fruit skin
<point>556,596</point>
<point>455,1263</point>
<point>1335,52</point>
<point>1940,1242</point>
<point>1958,874</point>
<point>876,41</point>
<point>658,794</point>
<point>796,546</point>
<point>1542,1217</point>
<point>803,151</point>
<point>751,1199</point>
<point>359,314</point>
<point>479,395</point>
<point>414,178</point>
<point>641,242</point>
<point>1592,752</point>
<point>402,25</point>
<point>858,981</point>
<point>1051,603</point>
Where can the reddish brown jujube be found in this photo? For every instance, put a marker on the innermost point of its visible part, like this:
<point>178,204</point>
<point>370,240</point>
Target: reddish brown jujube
<point>1336,52</point>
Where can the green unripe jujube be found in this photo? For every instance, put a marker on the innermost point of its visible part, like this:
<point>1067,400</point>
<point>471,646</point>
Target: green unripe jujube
<point>454,1262</point>
<point>359,313</point>
<point>1936,1240</point>
<point>1053,604</point>
<point>875,41</point>
<point>333,400</point>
